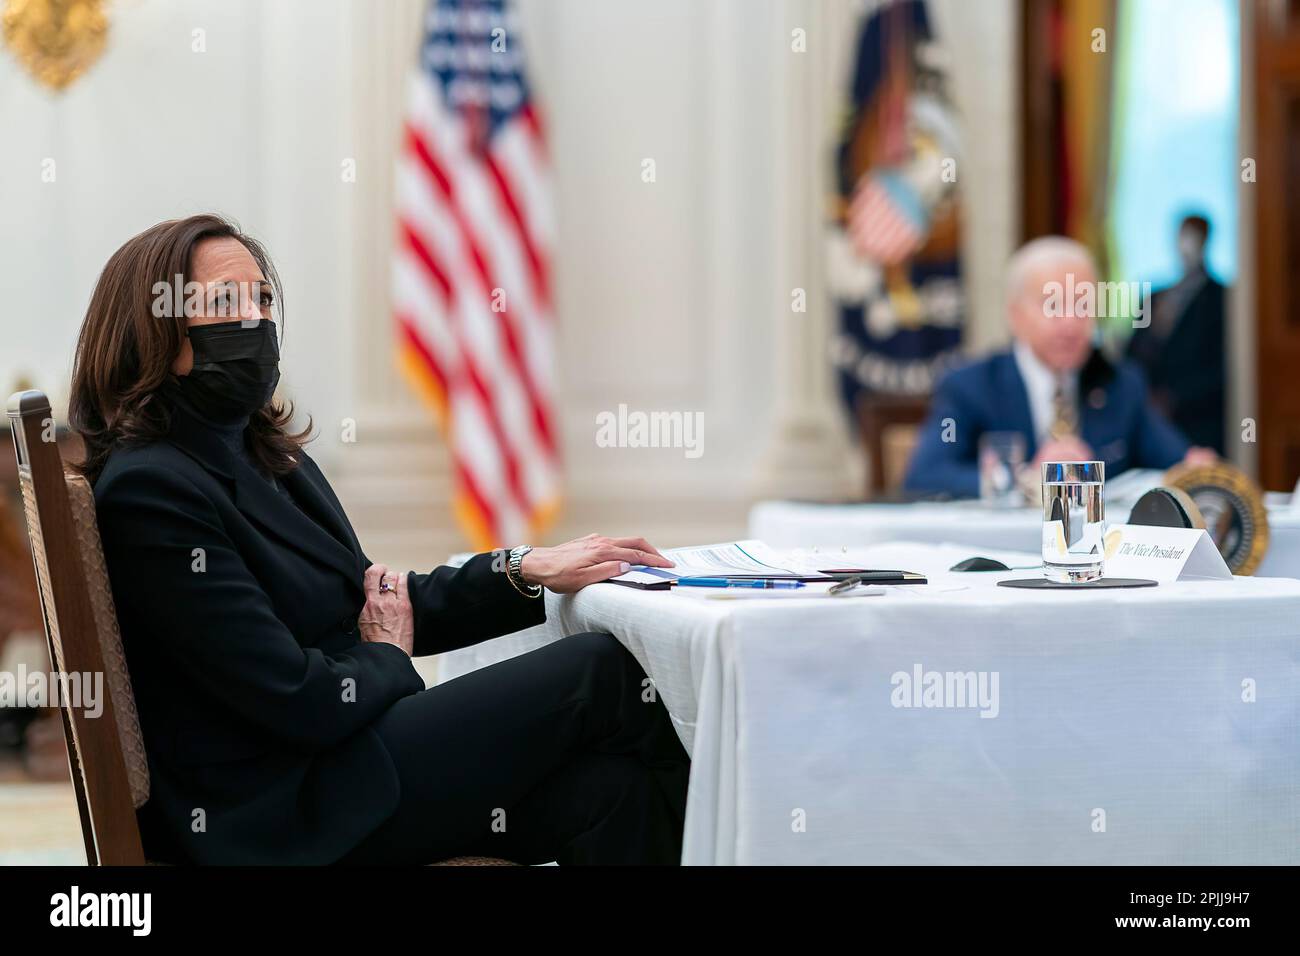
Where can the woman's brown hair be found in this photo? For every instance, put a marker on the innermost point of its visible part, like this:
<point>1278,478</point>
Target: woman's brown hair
<point>125,351</point>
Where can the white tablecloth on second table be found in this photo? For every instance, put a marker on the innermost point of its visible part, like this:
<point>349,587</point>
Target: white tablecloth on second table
<point>1132,727</point>
<point>793,524</point>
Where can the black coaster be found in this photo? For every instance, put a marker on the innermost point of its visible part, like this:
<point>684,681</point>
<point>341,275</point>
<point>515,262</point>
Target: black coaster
<point>1044,584</point>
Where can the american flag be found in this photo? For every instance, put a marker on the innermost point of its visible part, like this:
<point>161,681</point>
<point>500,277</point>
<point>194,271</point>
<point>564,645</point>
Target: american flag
<point>471,277</point>
<point>883,220</point>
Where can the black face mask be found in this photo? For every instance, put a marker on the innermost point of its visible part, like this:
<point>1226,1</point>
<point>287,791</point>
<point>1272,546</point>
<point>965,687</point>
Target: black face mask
<point>236,369</point>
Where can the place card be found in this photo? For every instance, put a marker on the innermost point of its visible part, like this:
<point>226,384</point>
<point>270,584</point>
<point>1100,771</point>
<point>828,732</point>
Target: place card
<point>1162,554</point>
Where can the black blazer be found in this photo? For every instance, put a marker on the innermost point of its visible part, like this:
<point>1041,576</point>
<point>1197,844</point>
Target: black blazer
<point>238,611</point>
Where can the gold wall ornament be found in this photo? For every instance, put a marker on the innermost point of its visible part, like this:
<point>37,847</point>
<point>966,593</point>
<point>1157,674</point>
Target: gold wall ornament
<point>1233,509</point>
<point>55,40</point>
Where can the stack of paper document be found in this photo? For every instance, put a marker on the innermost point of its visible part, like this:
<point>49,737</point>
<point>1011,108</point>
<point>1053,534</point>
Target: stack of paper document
<point>739,559</point>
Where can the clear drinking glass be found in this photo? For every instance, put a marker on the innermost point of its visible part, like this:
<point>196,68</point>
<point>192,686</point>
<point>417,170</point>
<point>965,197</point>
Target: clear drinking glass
<point>1001,455</point>
<point>1074,520</point>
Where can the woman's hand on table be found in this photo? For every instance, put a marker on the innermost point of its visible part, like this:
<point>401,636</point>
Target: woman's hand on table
<point>573,565</point>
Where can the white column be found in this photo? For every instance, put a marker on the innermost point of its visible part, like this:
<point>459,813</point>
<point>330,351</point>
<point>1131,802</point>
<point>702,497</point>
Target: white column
<point>809,455</point>
<point>394,479</point>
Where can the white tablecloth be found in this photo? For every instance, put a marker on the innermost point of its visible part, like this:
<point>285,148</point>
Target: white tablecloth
<point>1121,735</point>
<point>790,524</point>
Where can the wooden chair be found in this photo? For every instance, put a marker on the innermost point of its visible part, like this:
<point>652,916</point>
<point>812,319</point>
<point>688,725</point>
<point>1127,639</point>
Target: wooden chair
<point>888,425</point>
<point>106,755</point>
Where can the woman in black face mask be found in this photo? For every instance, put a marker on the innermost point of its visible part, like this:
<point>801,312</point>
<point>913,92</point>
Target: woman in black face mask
<point>271,659</point>
<point>229,364</point>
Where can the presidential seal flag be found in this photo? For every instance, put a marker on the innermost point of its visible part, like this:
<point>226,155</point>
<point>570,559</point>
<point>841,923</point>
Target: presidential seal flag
<point>471,270</point>
<point>895,234</point>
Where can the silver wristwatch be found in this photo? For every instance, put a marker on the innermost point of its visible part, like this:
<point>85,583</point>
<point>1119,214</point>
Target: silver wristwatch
<point>514,571</point>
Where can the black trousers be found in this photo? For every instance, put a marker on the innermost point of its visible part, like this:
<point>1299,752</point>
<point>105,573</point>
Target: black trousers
<point>563,754</point>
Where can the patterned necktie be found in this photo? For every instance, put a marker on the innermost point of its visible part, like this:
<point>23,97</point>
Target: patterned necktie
<point>1065,417</point>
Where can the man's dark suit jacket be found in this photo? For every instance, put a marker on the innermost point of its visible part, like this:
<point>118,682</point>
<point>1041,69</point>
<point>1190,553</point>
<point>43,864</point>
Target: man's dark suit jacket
<point>238,611</point>
<point>1115,419</point>
<point>1187,367</point>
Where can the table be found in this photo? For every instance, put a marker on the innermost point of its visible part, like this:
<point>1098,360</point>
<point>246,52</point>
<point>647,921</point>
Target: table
<point>792,524</point>
<point>1119,733</point>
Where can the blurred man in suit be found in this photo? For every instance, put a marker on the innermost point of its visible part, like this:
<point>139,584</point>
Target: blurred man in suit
<point>1181,351</point>
<point>1054,387</point>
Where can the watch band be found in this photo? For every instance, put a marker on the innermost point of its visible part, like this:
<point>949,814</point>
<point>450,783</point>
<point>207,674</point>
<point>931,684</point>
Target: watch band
<point>514,571</point>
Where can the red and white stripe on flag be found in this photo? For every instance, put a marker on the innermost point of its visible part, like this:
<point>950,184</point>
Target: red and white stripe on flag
<point>471,278</point>
<point>880,229</point>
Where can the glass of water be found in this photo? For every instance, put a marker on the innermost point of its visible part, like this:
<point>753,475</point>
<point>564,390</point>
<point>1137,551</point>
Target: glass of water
<point>1001,456</point>
<point>1074,520</point>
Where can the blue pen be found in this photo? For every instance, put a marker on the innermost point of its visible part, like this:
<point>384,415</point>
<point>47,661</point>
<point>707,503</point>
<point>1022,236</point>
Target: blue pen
<point>738,583</point>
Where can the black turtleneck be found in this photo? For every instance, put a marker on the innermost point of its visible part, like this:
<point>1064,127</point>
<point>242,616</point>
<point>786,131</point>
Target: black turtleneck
<point>231,434</point>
